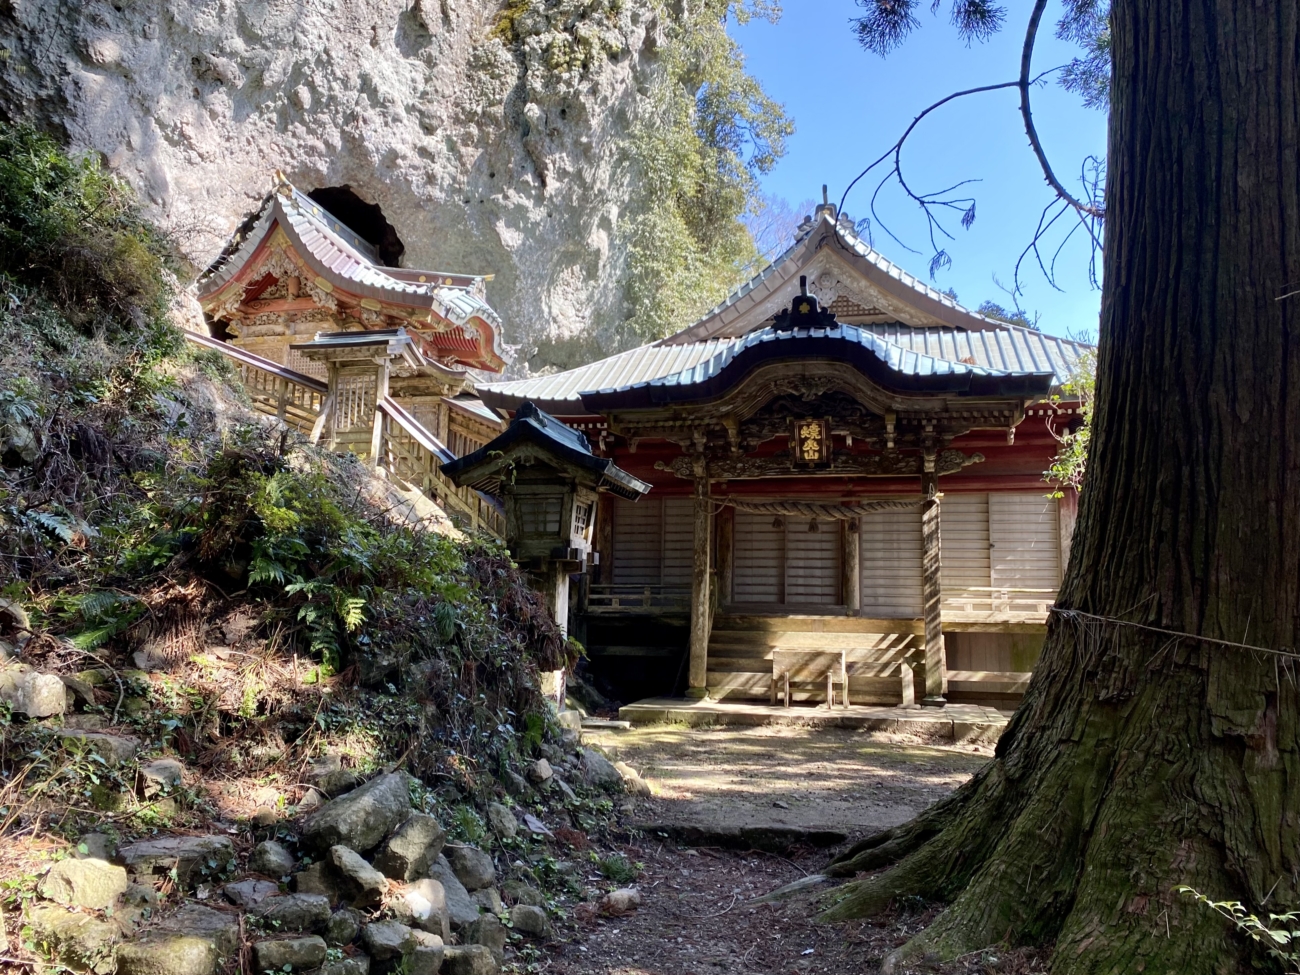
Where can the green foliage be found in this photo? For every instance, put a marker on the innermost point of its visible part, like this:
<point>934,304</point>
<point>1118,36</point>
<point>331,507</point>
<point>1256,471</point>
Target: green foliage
<point>1279,934</point>
<point>1012,316</point>
<point>698,151</point>
<point>617,868</point>
<point>1071,460</point>
<point>72,228</point>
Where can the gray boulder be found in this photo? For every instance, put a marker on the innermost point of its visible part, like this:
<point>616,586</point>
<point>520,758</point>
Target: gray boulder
<point>249,892</point>
<point>521,893</point>
<point>161,775</point>
<point>385,940</point>
<point>423,905</point>
<point>191,942</point>
<point>192,857</point>
<point>469,960</point>
<point>113,749</point>
<point>491,933</point>
<point>362,818</point>
<point>289,954</point>
<point>539,772</point>
<point>461,909</point>
<point>598,771</point>
<point>271,859</point>
<point>489,898</point>
<point>93,884</point>
<point>343,926</point>
<point>319,878</point>
<point>295,912</point>
<point>502,821</point>
<point>472,866</point>
<point>412,847</point>
<point>356,965</point>
<point>364,884</point>
<point>77,940</point>
<point>426,959</point>
<point>530,920</point>
<point>32,693</point>
<point>95,846</point>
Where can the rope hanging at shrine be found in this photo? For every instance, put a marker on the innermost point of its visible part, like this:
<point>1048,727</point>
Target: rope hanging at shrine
<point>809,509</point>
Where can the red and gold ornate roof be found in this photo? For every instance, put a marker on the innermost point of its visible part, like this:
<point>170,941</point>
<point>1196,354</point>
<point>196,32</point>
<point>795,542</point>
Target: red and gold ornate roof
<point>298,261</point>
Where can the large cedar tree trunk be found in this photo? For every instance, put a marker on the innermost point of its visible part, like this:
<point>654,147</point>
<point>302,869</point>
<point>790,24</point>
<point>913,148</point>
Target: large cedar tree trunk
<point>1139,762</point>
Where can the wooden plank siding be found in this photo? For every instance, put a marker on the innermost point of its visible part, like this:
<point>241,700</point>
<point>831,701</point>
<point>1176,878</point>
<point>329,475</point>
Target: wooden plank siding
<point>653,542</point>
<point>891,563</point>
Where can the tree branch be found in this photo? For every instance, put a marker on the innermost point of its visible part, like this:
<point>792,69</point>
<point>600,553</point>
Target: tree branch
<point>1026,60</point>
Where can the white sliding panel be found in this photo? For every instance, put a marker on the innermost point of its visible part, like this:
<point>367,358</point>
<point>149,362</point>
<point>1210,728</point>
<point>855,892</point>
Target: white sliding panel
<point>678,541</point>
<point>1025,540</point>
<point>759,570</point>
<point>964,537</point>
<point>891,554</point>
<point>812,563</point>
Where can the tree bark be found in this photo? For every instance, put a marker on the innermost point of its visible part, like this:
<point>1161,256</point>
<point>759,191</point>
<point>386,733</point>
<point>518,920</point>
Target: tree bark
<point>1140,761</point>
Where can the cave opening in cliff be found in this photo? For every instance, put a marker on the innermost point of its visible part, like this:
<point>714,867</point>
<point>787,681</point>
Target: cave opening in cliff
<point>366,220</point>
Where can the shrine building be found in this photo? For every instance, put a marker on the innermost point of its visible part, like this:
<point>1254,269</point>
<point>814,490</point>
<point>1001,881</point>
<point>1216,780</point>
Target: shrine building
<point>841,460</point>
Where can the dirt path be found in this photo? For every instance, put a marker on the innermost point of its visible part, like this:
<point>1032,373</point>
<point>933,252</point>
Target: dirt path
<point>696,916</point>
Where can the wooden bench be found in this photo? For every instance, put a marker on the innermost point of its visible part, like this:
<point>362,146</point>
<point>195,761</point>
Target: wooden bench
<point>810,667</point>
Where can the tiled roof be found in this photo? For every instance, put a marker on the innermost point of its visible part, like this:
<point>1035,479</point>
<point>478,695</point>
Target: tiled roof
<point>340,255</point>
<point>1009,351</point>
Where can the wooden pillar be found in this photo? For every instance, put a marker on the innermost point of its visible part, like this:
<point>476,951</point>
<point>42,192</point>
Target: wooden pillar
<point>560,595</point>
<point>1067,507</point>
<point>701,617</point>
<point>377,422</point>
<point>850,540</point>
<point>936,678</point>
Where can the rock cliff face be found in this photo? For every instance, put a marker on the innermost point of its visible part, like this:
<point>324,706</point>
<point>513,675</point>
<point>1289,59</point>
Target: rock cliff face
<point>492,138</point>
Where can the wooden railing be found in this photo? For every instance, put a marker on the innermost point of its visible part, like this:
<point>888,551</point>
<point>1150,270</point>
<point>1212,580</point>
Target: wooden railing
<point>416,456</point>
<point>275,390</point>
<point>996,602</point>
<point>612,598</point>
<point>409,450</point>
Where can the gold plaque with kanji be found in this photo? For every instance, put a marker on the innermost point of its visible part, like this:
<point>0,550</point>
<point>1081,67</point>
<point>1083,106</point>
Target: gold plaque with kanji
<point>811,443</point>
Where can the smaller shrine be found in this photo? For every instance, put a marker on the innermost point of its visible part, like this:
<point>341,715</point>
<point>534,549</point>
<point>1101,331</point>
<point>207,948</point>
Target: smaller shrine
<point>295,269</point>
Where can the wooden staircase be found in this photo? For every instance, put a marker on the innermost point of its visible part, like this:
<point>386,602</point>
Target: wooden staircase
<point>740,654</point>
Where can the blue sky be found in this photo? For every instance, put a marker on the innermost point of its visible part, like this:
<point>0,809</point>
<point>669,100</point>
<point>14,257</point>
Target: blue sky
<point>849,106</point>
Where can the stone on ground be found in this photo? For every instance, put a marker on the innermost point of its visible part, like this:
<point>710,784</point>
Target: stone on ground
<point>502,821</point>
<point>623,901</point>
<point>469,960</point>
<point>539,771</point>
<point>93,884</point>
<point>113,749</point>
<point>32,693</point>
<point>271,859</point>
<point>515,783</point>
<point>191,942</point>
<point>385,940</point>
<point>319,878</point>
<point>522,893</point>
<point>472,866</point>
<point>366,885</point>
<point>95,846</point>
<point>356,965</point>
<point>161,774</point>
<point>360,819</point>
<point>423,905</point>
<point>461,909</point>
<point>425,960</point>
<point>78,940</point>
<point>249,892</point>
<point>412,847</point>
<point>192,857</point>
<point>527,919</point>
<point>598,771</point>
<point>632,780</point>
<point>489,898</point>
<point>491,933</point>
<point>289,954</point>
<point>343,926</point>
<point>295,912</point>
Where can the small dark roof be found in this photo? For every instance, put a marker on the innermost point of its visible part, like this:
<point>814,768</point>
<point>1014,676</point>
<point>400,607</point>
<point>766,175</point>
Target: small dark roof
<point>482,468</point>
